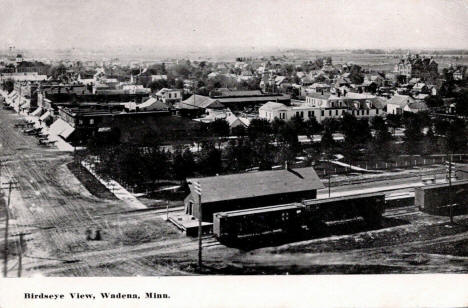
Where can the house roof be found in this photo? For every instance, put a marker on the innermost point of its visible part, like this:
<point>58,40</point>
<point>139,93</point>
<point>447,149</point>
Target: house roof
<point>400,100</point>
<point>273,106</point>
<point>152,104</point>
<point>253,99</point>
<point>417,105</point>
<point>199,102</point>
<point>257,184</point>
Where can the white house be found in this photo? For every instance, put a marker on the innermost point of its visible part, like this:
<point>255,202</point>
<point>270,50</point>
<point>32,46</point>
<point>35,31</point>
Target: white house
<point>398,102</point>
<point>323,107</point>
<point>169,95</point>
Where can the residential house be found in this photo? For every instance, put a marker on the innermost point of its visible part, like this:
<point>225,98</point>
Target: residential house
<point>404,103</point>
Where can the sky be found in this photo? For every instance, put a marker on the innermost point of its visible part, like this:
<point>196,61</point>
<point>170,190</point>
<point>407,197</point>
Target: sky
<point>249,24</point>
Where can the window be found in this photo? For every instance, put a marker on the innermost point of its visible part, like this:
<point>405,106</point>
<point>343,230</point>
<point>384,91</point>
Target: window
<point>377,111</point>
<point>367,112</point>
<point>342,111</point>
<point>302,114</point>
<point>91,121</point>
<point>80,122</point>
<point>169,95</point>
<point>323,113</point>
<point>329,112</point>
<point>336,112</point>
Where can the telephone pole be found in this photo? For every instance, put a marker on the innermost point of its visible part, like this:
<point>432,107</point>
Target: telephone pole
<point>450,189</point>
<point>20,254</point>
<point>7,221</point>
<point>198,190</point>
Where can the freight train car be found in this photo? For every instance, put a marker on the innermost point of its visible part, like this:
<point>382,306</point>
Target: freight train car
<point>279,218</point>
<point>295,216</point>
<point>435,199</point>
<point>368,206</point>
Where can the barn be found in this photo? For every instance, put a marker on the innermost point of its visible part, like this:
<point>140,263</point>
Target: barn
<point>251,190</point>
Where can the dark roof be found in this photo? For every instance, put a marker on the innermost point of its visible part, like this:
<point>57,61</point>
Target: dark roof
<point>259,99</point>
<point>230,93</point>
<point>257,184</point>
<point>199,102</point>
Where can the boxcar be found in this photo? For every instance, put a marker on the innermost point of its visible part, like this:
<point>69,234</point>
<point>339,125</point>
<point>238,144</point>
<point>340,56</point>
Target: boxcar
<point>368,206</point>
<point>435,199</point>
<point>257,221</point>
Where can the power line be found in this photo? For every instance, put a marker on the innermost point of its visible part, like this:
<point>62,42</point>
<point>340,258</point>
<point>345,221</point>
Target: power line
<point>7,221</point>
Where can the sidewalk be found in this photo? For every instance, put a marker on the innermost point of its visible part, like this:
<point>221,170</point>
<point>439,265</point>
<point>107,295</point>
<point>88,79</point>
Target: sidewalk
<point>353,167</point>
<point>120,192</point>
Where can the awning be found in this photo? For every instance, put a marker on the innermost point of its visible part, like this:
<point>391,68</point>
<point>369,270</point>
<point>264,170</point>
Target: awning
<point>67,132</point>
<point>37,112</point>
<point>59,127</point>
<point>45,116</point>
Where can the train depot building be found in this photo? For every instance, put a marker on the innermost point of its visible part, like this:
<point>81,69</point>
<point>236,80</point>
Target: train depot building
<point>245,191</point>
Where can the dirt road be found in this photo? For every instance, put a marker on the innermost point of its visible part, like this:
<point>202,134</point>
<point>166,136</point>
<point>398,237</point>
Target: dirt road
<point>55,211</point>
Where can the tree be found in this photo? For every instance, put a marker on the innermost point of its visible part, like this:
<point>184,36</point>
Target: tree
<point>276,125</point>
<point>288,138</point>
<point>238,130</point>
<point>378,123</point>
<point>264,152</point>
<point>57,71</point>
<point>331,124</point>
<point>312,127</point>
<point>239,155</point>
<point>461,103</point>
<point>220,128</point>
<point>327,144</point>
<point>457,137</point>
<point>156,164</point>
<point>183,164</point>
<point>210,160</point>
<point>434,101</point>
<point>357,134</point>
<point>157,85</point>
<point>382,138</point>
<point>441,126</point>
<point>8,85</point>
<point>413,134</point>
<point>297,123</point>
<point>394,121</point>
<point>258,127</point>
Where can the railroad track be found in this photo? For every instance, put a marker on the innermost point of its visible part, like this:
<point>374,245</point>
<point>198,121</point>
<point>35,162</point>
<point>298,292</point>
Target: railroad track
<point>401,211</point>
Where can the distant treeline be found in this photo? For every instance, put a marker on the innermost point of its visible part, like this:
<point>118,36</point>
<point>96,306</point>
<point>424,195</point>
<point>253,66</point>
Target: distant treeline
<point>404,51</point>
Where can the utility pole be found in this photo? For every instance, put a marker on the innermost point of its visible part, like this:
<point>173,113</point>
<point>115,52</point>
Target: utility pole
<point>198,190</point>
<point>329,185</point>
<point>7,221</point>
<point>450,190</point>
<point>20,254</point>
